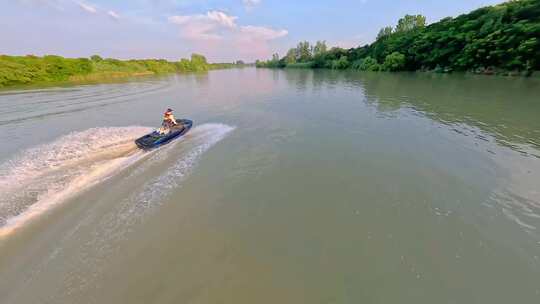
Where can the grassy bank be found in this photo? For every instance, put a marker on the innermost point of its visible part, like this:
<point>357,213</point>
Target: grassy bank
<point>21,70</point>
<point>107,76</point>
<point>501,39</point>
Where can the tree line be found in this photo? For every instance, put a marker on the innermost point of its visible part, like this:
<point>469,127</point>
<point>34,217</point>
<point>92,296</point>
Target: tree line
<point>503,39</point>
<point>16,70</point>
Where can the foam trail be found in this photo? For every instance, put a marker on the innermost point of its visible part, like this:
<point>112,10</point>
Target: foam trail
<point>101,234</point>
<point>150,196</point>
<point>42,177</point>
<point>212,134</point>
<point>114,226</point>
<point>54,172</point>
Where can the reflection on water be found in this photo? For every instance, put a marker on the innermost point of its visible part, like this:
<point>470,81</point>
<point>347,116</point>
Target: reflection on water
<point>495,115</point>
<point>334,187</point>
<point>506,108</point>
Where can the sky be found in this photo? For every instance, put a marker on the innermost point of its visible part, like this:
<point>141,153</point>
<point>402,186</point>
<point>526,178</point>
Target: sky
<point>222,30</point>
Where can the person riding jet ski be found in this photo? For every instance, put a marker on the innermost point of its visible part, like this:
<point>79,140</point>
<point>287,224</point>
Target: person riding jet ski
<point>169,130</point>
<point>168,122</point>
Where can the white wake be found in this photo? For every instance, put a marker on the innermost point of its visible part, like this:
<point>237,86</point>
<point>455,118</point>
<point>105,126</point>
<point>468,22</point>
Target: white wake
<point>38,179</point>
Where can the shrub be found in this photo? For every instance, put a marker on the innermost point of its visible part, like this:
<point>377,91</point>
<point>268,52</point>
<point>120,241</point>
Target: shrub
<point>300,65</point>
<point>368,64</point>
<point>340,64</point>
<point>394,62</point>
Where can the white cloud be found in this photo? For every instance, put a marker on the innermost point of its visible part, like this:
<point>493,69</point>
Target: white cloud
<point>251,3</point>
<point>113,15</point>
<point>216,24</point>
<point>216,32</point>
<point>87,7</point>
<point>68,6</point>
<point>220,35</point>
<point>261,33</point>
<point>203,27</point>
<point>213,18</point>
<point>222,18</point>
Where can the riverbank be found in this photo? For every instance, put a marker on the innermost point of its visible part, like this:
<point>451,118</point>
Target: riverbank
<point>107,76</point>
<point>27,70</point>
<point>485,72</point>
<point>493,40</point>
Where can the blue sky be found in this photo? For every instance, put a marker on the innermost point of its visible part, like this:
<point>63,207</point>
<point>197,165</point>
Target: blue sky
<point>223,30</point>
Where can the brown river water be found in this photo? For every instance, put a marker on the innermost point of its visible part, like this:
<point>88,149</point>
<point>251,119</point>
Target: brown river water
<point>294,186</point>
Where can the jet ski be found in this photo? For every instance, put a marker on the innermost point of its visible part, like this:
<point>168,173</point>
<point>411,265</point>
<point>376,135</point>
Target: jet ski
<point>156,139</point>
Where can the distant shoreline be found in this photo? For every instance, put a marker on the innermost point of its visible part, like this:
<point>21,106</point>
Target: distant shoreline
<point>533,74</point>
<point>493,40</point>
<point>21,71</point>
<point>107,76</point>
<point>81,80</point>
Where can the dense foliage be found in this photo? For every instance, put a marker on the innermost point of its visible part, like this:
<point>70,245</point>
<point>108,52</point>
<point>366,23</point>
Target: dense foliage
<point>31,69</point>
<point>502,38</point>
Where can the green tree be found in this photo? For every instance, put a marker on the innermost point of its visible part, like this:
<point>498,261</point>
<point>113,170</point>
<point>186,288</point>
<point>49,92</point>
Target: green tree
<point>385,32</point>
<point>184,65</point>
<point>410,22</point>
<point>495,39</point>
<point>198,62</point>
<point>32,69</point>
<point>96,58</point>
<point>275,60</point>
<point>394,62</point>
<point>303,51</point>
<point>341,63</point>
<point>320,48</point>
<point>369,64</point>
<point>290,58</point>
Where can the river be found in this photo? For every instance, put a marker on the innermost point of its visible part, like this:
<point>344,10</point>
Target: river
<point>294,186</point>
